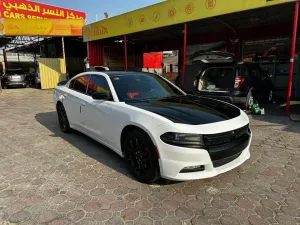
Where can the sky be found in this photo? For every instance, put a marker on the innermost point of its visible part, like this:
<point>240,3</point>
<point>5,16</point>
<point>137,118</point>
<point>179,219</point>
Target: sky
<point>93,7</point>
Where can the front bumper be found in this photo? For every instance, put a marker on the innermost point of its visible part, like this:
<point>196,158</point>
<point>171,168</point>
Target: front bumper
<point>215,160</point>
<point>170,168</point>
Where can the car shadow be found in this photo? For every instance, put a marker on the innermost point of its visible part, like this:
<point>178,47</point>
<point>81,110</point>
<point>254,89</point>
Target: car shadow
<point>89,146</point>
<point>83,143</point>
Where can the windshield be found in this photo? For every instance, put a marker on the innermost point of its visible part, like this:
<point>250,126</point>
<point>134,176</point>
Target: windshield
<point>14,72</point>
<point>139,86</point>
<point>217,79</point>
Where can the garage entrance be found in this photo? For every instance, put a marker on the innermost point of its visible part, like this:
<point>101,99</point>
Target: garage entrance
<point>179,25</point>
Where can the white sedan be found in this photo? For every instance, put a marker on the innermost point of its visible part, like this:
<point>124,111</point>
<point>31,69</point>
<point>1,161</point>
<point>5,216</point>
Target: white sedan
<point>159,130</point>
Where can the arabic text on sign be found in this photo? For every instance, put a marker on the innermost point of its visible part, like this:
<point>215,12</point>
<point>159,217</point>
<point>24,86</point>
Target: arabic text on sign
<point>13,11</point>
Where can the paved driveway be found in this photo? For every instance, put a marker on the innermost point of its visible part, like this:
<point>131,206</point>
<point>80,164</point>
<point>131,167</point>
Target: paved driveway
<point>47,177</point>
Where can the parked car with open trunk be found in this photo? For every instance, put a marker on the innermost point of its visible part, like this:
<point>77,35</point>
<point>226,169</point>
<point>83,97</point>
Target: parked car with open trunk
<point>221,77</point>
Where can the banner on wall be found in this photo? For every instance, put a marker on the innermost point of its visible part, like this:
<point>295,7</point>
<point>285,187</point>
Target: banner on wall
<point>47,27</point>
<point>23,9</point>
<point>1,27</point>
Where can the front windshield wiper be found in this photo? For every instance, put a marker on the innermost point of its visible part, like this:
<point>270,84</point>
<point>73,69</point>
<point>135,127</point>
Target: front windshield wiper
<point>171,96</point>
<point>136,100</point>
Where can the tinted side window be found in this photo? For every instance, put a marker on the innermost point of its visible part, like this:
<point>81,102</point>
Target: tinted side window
<point>71,85</point>
<point>81,83</point>
<point>98,84</point>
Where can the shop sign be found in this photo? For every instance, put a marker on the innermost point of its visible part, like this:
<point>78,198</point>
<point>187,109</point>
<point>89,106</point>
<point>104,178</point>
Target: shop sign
<point>23,9</point>
<point>46,27</point>
<point>172,12</point>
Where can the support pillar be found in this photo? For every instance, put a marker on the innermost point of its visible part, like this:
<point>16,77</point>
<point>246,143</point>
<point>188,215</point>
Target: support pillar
<point>184,56</point>
<point>291,73</point>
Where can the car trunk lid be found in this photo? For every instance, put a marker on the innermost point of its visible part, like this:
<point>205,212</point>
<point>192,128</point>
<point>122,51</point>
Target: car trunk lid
<point>16,77</point>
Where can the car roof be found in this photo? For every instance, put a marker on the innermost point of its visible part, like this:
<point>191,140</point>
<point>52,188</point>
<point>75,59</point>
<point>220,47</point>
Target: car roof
<point>125,73</point>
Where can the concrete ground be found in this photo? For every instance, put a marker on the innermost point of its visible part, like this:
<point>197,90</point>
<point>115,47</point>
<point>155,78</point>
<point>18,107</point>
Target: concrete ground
<point>47,177</point>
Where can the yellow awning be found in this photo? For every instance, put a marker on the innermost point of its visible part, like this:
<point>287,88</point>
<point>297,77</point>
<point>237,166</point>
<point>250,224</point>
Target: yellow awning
<point>169,13</point>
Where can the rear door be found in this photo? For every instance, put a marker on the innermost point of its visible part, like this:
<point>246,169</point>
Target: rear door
<point>261,82</point>
<point>257,80</point>
<point>74,100</point>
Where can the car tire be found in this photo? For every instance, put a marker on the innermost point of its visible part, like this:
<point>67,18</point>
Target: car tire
<point>141,157</point>
<point>63,119</point>
<point>249,101</point>
<point>270,96</point>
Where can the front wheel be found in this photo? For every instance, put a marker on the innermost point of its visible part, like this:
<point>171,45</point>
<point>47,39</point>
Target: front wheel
<point>63,119</point>
<point>141,156</point>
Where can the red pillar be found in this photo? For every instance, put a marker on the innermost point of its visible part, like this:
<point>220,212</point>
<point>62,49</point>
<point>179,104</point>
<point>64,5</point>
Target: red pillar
<point>184,56</point>
<point>5,58</point>
<point>294,39</point>
<point>125,51</point>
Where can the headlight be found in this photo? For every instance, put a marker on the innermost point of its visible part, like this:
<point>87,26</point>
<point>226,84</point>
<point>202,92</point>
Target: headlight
<point>183,140</point>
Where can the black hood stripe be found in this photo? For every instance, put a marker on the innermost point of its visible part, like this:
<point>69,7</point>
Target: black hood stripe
<point>189,109</point>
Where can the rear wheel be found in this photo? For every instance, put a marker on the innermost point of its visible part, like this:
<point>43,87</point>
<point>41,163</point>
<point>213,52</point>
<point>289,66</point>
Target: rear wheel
<point>270,95</point>
<point>249,101</point>
<point>63,119</point>
<point>141,157</point>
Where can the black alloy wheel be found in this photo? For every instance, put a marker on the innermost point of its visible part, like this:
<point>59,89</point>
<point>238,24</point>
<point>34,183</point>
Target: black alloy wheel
<point>141,157</point>
<point>63,119</point>
<point>270,96</point>
<point>249,101</point>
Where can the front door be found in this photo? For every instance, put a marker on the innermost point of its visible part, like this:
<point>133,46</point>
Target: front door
<point>97,114</point>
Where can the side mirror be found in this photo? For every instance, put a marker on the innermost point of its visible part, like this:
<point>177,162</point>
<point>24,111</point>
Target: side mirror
<point>99,96</point>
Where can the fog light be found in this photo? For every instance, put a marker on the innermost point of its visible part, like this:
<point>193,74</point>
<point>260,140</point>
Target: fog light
<point>191,169</point>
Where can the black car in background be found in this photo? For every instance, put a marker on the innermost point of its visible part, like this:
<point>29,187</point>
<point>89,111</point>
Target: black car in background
<point>221,77</point>
<point>14,78</point>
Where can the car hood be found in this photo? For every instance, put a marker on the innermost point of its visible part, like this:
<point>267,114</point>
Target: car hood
<point>192,110</point>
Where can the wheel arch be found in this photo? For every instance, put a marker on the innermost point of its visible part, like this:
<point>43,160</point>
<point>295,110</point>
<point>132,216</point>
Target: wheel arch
<point>58,103</point>
<point>131,127</point>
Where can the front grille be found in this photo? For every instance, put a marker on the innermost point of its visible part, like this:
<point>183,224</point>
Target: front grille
<point>225,147</point>
<point>214,140</point>
<point>221,162</point>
